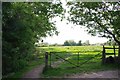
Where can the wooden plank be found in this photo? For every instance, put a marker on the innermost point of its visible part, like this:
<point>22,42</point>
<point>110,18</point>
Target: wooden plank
<point>110,48</point>
<point>109,53</point>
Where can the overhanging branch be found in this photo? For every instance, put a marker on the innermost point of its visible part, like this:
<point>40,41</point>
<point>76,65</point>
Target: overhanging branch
<point>109,32</point>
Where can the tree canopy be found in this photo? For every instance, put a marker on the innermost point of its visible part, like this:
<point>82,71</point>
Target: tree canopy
<point>69,43</point>
<point>23,24</point>
<point>72,43</point>
<point>100,18</point>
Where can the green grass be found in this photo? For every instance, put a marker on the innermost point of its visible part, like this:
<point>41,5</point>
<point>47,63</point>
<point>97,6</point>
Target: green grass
<point>87,61</point>
<point>30,66</point>
<point>69,53</point>
<point>39,59</point>
<point>72,48</point>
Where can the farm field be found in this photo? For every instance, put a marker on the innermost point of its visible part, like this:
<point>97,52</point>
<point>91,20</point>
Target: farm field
<point>66,60</point>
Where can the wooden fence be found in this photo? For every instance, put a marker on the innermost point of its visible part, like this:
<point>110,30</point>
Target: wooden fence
<point>48,56</point>
<point>104,53</point>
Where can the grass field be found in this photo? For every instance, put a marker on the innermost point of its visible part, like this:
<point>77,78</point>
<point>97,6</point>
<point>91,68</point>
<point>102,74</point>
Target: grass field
<point>89,59</point>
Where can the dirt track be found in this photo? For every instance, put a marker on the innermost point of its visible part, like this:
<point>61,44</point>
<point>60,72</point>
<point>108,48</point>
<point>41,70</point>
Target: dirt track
<point>101,74</point>
<point>35,73</point>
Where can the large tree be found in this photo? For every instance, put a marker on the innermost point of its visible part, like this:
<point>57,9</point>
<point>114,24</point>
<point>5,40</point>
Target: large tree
<point>79,43</point>
<point>100,18</point>
<point>22,25</point>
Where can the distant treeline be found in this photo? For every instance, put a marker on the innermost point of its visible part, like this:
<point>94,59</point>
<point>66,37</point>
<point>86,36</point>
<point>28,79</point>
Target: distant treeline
<point>79,43</point>
<point>66,43</point>
<point>72,43</point>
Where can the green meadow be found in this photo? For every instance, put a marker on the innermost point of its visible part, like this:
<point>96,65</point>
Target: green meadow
<point>67,60</point>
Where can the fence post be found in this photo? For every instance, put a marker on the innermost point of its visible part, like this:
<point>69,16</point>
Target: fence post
<point>103,55</point>
<point>50,59</point>
<point>119,54</point>
<point>78,58</point>
<point>114,51</point>
<point>46,59</point>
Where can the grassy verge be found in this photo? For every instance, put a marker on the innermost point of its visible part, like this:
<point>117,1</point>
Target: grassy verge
<point>30,66</point>
<point>38,59</point>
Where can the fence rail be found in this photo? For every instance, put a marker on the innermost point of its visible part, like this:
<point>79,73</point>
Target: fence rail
<point>104,53</point>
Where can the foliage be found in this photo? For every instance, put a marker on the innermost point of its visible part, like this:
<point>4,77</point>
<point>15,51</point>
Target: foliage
<point>79,43</point>
<point>73,43</point>
<point>110,43</point>
<point>99,18</point>
<point>23,71</point>
<point>69,43</point>
<point>23,24</point>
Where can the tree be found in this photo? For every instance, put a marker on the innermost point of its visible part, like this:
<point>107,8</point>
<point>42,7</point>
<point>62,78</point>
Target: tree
<point>66,43</point>
<point>79,43</point>
<point>102,18</point>
<point>110,42</point>
<point>23,25</point>
<point>69,43</point>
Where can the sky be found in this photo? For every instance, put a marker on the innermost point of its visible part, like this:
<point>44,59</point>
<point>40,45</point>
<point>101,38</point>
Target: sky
<point>71,32</point>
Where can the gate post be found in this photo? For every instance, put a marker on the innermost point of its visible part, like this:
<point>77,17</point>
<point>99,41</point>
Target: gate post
<point>50,59</point>
<point>103,55</point>
<point>46,59</point>
<point>114,51</point>
<point>78,58</point>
